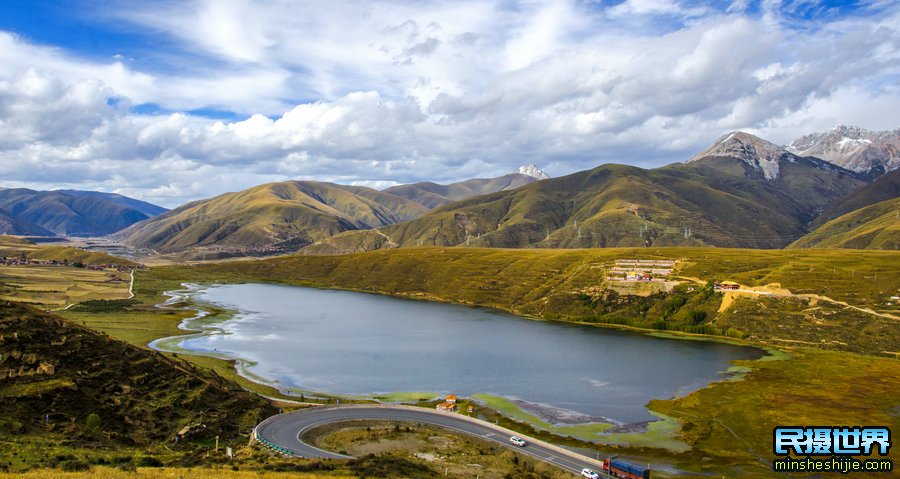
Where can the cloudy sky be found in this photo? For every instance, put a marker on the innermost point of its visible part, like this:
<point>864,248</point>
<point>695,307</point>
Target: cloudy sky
<point>170,101</point>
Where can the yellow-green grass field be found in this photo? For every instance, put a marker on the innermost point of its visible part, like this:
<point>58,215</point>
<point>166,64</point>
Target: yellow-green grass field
<point>442,451</point>
<point>727,425</point>
<point>851,289</point>
<point>520,279</point>
<point>55,287</point>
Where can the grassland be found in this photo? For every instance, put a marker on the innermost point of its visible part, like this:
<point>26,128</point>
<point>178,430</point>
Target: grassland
<point>55,287</point>
<point>435,452</point>
<point>731,422</point>
<point>871,227</point>
<point>728,425</point>
<point>557,285</point>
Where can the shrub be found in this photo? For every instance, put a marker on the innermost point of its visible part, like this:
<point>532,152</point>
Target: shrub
<point>104,305</point>
<point>74,465</point>
<point>93,422</point>
<point>697,317</point>
<point>734,333</point>
<point>148,461</point>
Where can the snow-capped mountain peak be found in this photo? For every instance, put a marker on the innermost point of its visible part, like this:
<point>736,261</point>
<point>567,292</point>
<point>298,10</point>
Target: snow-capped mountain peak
<point>755,151</point>
<point>866,152</point>
<point>533,171</point>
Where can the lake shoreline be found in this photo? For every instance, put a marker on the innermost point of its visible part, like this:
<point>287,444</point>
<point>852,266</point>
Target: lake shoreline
<point>193,329</point>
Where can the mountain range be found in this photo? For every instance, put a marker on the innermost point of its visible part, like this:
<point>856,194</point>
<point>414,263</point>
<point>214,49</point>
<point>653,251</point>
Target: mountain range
<point>69,212</point>
<point>869,153</point>
<point>288,215</point>
<point>741,191</point>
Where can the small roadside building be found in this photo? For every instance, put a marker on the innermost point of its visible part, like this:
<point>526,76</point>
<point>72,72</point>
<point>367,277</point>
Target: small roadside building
<point>446,406</point>
<point>727,285</point>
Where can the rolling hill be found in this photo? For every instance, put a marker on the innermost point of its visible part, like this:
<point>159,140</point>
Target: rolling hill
<point>270,218</point>
<point>740,192</point>
<point>75,213</point>
<point>884,188</point>
<point>876,226</point>
<point>54,374</point>
<point>432,195</point>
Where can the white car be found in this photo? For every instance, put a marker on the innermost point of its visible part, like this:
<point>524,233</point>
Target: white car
<point>517,441</point>
<point>589,473</point>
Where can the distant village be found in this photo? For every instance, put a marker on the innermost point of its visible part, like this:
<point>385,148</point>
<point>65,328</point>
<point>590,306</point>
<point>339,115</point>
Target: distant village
<point>23,261</point>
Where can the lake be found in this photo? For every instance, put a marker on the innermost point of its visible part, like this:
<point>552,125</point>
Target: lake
<point>351,343</point>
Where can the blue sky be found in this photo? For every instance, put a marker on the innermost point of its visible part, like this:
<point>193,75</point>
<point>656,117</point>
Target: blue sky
<point>177,100</point>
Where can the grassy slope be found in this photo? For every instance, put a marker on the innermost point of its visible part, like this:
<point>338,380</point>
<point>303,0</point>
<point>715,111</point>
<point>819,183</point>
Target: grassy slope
<point>876,226</point>
<point>524,281</point>
<point>294,211</point>
<point>884,188</point>
<point>723,201</point>
<point>142,397</point>
<point>730,422</point>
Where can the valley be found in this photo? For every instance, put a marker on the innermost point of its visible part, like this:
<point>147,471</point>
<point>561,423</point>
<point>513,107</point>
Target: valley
<point>815,341</point>
<point>519,239</point>
<point>777,273</point>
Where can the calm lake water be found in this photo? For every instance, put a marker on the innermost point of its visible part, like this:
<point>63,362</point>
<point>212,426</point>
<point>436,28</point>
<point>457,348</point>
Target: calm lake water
<point>355,343</point>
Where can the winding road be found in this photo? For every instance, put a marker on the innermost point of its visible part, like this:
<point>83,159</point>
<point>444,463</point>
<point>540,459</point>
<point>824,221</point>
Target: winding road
<point>284,432</point>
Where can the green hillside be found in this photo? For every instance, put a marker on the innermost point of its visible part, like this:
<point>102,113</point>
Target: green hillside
<point>570,285</point>
<point>432,195</point>
<point>75,213</point>
<point>715,201</point>
<point>63,382</point>
<point>272,217</point>
<point>875,226</point>
<point>884,188</point>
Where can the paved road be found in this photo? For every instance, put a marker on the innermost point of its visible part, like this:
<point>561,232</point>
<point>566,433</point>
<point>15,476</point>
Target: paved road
<point>285,431</point>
